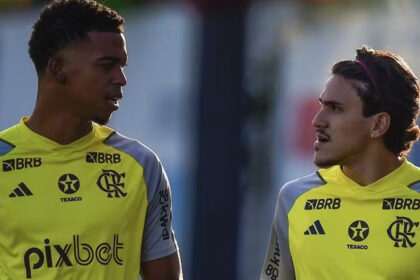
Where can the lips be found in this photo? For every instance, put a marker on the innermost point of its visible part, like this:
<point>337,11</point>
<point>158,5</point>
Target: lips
<point>112,101</point>
<point>321,138</point>
<point>114,95</point>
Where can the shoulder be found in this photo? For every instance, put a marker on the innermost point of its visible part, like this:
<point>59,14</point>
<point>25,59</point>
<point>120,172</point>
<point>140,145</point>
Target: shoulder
<point>7,138</point>
<point>293,189</point>
<point>5,147</point>
<point>302,184</point>
<point>133,147</point>
<point>152,169</point>
<point>412,176</point>
<point>7,131</point>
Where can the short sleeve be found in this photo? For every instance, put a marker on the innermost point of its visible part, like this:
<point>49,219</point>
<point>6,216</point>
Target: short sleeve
<point>159,238</point>
<point>278,263</point>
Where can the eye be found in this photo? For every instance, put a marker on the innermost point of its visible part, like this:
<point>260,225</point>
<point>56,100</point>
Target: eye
<point>107,66</point>
<point>334,108</point>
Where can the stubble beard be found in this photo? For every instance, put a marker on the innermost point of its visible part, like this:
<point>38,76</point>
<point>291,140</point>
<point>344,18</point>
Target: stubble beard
<point>325,163</point>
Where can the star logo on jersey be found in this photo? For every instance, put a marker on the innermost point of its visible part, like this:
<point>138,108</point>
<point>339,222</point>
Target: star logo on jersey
<point>69,183</point>
<point>112,183</point>
<point>358,230</point>
<point>402,231</point>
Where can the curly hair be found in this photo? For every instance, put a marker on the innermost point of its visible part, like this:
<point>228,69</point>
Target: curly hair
<point>385,83</point>
<point>64,22</point>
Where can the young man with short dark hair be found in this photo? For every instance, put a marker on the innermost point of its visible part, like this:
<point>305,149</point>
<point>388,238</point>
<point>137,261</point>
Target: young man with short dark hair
<point>358,216</point>
<point>77,199</point>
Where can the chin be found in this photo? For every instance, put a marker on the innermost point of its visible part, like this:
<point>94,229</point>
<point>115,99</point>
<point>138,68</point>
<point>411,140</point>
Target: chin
<point>325,162</point>
<point>102,120</point>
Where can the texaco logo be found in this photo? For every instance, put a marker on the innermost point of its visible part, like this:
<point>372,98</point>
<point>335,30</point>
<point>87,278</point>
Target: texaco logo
<point>358,230</point>
<point>68,183</point>
<point>112,183</point>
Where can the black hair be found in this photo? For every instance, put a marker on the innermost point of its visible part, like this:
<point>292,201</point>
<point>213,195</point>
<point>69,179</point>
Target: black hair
<point>64,22</point>
<point>385,83</point>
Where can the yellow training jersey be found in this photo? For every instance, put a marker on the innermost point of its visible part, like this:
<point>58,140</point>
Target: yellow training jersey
<point>327,227</point>
<point>92,209</point>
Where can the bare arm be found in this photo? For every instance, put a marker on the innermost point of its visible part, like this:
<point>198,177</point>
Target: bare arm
<point>167,268</point>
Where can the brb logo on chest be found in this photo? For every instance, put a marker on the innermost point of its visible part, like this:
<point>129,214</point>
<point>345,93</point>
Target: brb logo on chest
<point>95,157</point>
<point>401,204</point>
<point>323,203</point>
<point>56,255</point>
<point>21,163</point>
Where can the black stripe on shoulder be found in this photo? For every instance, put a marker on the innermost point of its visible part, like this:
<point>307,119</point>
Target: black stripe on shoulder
<point>320,177</point>
<point>5,147</point>
<point>109,136</point>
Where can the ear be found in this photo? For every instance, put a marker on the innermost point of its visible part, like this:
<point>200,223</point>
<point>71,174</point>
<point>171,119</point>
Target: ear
<point>56,68</point>
<point>380,124</point>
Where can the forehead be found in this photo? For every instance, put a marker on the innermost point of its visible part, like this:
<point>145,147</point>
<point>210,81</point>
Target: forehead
<point>339,89</point>
<point>103,44</point>
<point>107,39</point>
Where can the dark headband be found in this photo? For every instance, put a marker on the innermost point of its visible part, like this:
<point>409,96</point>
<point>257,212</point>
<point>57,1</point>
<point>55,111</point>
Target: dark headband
<point>369,74</point>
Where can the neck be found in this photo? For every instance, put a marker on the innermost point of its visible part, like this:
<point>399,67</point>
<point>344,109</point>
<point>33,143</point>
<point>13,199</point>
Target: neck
<point>63,129</point>
<point>51,120</point>
<point>373,168</point>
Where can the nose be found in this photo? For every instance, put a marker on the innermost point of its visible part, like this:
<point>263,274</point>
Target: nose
<point>120,78</point>
<point>319,120</point>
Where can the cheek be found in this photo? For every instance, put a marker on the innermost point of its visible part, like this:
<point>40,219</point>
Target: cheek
<point>355,125</point>
<point>352,132</point>
<point>91,86</point>
<point>89,76</point>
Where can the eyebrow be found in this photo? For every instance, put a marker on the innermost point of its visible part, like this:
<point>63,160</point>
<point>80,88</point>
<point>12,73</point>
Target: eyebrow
<point>330,102</point>
<point>112,59</point>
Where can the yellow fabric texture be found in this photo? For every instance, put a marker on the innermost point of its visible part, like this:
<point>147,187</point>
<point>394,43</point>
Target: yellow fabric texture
<point>72,211</point>
<point>341,230</point>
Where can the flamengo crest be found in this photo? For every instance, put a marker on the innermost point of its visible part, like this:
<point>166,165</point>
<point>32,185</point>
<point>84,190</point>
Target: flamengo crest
<point>112,183</point>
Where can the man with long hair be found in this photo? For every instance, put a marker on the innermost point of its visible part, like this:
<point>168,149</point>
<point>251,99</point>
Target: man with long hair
<point>358,216</point>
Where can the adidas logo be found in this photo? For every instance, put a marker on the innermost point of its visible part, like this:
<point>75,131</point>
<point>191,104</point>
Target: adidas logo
<point>21,190</point>
<point>314,229</point>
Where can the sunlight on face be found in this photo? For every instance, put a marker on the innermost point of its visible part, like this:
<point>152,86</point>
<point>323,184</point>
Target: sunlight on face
<point>95,76</point>
<point>342,131</point>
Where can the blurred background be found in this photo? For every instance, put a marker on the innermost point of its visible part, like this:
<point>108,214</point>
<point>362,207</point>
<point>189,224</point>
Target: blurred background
<point>224,92</point>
